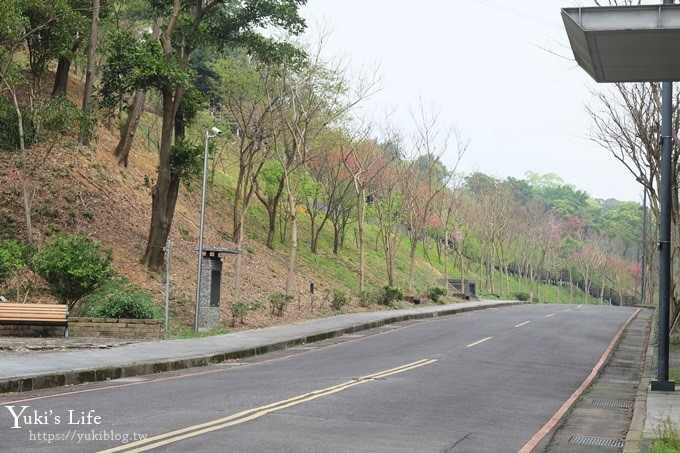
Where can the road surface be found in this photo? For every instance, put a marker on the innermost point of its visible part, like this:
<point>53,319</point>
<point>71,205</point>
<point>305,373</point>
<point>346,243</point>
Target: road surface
<point>485,381</point>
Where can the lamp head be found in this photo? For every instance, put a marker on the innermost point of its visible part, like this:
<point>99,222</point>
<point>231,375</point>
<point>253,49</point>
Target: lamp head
<point>213,132</point>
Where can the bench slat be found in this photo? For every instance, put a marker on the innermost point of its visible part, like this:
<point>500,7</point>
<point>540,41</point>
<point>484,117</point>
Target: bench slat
<point>52,313</point>
<point>29,306</point>
<point>32,307</point>
<point>40,310</point>
<point>47,313</point>
<point>29,317</point>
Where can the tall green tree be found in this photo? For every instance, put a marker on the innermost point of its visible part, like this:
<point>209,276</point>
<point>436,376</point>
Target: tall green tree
<point>89,71</point>
<point>186,26</point>
<point>79,18</point>
<point>624,223</point>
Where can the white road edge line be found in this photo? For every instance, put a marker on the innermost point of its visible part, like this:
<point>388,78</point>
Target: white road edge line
<point>479,342</point>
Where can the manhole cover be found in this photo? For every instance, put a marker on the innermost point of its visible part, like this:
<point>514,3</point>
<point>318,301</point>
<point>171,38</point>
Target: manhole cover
<point>597,441</point>
<point>613,403</point>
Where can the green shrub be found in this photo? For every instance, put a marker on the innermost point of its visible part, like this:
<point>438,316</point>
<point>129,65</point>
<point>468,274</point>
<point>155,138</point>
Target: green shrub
<point>278,303</point>
<point>522,296</point>
<point>59,116</point>
<point>339,299</point>
<point>13,256</point>
<point>239,310</point>
<point>435,293</point>
<point>74,266</point>
<point>366,298</point>
<point>390,295</point>
<point>119,299</point>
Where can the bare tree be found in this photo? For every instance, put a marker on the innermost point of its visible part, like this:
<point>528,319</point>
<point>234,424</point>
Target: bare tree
<point>365,160</point>
<point>247,107</point>
<point>328,187</point>
<point>626,123</point>
<point>447,207</point>
<point>427,176</point>
<point>388,207</point>
<point>314,96</point>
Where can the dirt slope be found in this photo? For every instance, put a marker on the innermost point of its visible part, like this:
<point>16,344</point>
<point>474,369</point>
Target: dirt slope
<point>78,189</point>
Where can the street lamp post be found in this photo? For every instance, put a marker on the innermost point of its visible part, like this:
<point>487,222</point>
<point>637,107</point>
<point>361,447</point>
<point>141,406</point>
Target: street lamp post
<point>210,133</point>
<point>666,201</point>
<point>638,44</point>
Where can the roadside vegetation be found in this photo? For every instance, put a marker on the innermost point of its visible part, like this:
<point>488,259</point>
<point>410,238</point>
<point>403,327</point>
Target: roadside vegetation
<point>101,165</point>
<point>668,438</point>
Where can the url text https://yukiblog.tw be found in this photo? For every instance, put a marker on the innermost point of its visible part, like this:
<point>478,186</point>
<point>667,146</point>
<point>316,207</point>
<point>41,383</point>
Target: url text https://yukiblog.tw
<point>80,436</point>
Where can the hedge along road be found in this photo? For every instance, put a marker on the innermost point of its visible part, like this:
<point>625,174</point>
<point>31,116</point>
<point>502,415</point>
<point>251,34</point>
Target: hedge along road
<point>481,381</point>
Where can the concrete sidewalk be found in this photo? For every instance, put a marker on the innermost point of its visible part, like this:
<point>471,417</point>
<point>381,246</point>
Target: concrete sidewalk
<point>653,410</point>
<point>32,371</point>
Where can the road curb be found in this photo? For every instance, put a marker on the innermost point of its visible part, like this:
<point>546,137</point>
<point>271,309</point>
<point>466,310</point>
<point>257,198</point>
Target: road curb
<point>82,376</point>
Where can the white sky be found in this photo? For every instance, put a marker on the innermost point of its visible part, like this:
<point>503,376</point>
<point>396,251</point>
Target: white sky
<point>485,64</point>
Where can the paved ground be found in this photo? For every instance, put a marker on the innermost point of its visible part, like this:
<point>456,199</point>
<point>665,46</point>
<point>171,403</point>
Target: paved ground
<point>601,418</point>
<point>31,344</point>
<point>617,413</point>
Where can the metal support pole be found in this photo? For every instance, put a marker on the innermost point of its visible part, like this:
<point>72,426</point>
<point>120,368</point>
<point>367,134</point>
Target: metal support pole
<point>666,190</point>
<point>200,229</point>
<point>645,229</point>
<point>168,258</point>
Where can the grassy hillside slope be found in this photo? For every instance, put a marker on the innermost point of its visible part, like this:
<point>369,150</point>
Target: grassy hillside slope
<point>78,189</point>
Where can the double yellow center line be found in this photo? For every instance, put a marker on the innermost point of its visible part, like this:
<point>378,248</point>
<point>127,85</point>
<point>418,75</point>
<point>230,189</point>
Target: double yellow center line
<point>251,414</point>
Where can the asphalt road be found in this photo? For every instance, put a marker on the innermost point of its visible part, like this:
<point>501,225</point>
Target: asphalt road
<point>485,381</point>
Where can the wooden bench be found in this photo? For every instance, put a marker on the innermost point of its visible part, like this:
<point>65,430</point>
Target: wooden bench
<point>35,315</point>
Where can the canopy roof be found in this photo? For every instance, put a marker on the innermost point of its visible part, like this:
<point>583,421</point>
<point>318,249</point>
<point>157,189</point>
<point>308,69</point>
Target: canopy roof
<point>626,44</point>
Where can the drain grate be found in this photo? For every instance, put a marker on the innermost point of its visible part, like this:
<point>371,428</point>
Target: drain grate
<point>613,403</point>
<point>624,381</point>
<point>626,361</point>
<point>631,348</point>
<point>597,441</point>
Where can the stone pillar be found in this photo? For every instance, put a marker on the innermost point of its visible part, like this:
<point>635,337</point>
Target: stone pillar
<point>209,292</point>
